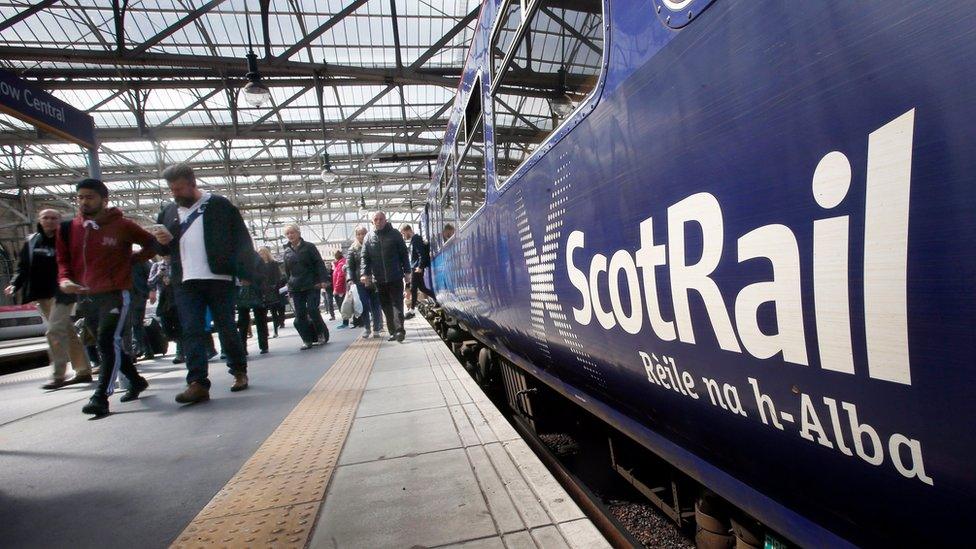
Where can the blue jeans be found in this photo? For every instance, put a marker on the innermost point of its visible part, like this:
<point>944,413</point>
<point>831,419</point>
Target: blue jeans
<point>308,319</point>
<point>193,298</point>
<point>371,307</point>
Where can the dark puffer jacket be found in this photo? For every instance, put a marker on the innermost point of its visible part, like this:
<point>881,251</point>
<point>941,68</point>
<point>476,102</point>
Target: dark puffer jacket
<point>37,270</point>
<point>385,256</point>
<point>303,266</point>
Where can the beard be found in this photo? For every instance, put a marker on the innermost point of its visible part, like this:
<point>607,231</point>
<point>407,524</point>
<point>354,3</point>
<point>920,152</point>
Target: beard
<point>185,201</point>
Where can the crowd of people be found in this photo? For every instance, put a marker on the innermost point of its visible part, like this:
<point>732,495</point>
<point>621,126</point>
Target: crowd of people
<point>198,265</point>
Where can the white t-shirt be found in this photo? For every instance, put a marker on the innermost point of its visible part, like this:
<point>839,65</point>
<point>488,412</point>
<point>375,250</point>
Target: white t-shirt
<point>193,250</point>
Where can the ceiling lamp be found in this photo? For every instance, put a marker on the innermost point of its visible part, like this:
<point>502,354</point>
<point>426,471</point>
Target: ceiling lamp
<point>256,94</point>
<point>328,176</point>
<point>561,103</point>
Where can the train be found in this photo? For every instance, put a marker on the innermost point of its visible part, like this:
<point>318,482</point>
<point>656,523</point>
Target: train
<point>738,232</point>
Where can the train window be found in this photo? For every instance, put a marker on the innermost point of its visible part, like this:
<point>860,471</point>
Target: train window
<point>471,177</point>
<point>509,18</point>
<point>447,206</point>
<point>554,67</point>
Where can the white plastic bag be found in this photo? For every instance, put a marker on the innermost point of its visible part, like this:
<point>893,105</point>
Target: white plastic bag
<point>347,307</point>
<point>357,301</point>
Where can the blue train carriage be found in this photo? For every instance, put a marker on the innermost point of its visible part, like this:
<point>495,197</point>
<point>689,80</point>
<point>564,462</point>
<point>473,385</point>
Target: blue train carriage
<point>741,234</point>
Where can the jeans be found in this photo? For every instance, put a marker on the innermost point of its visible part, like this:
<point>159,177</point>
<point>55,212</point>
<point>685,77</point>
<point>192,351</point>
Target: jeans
<point>417,283</point>
<point>277,315</point>
<point>329,303</point>
<point>106,315</point>
<point>193,298</point>
<point>391,299</point>
<point>371,307</point>
<point>308,319</point>
<point>260,323</point>
<point>62,339</point>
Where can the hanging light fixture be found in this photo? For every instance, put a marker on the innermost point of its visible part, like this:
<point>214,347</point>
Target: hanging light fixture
<point>561,103</point>
<point>328,176</point>
<point>255,93</point>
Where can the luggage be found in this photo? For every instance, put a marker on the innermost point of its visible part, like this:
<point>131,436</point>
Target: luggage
<point>155,337</point>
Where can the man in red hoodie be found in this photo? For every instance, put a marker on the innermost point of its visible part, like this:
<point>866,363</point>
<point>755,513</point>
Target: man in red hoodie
<point>94,252</point>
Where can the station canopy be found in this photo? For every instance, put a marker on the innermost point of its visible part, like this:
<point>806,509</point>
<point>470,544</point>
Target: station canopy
<point>360,94</point>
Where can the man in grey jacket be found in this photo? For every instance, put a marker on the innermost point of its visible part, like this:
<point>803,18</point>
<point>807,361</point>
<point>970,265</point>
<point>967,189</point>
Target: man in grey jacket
<point>386,264</point>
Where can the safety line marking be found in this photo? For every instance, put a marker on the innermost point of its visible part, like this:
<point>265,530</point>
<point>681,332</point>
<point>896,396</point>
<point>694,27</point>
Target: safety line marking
<point>275,497</point>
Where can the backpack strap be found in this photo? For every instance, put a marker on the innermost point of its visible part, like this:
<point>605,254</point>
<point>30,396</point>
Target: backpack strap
<point>65,232</point>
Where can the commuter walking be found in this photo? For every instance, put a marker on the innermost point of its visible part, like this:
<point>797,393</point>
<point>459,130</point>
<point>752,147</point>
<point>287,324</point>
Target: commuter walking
<point>141,347</point>
<point>209,246</point>
<point>367,293</point>
<point>251,298</point>
<point>329,297</point>
<point>339,285</point>
<point>269,273</point>
<point>94,252</point>
<point>419,261</point>
<point>306,276</point>
<point>37,280</point>
<point>386,264</point>
<point>166,312</point>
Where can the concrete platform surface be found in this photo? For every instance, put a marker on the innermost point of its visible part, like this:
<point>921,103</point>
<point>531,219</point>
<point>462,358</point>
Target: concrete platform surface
<point>355,444</point>
<point>430,462</point>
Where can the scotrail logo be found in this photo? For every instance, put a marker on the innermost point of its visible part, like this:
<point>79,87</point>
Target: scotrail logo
<point>883,264</point>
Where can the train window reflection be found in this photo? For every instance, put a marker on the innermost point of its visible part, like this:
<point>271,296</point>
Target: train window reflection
<point>554,68</point>
<point>471,178</point>
<point>509,18</point>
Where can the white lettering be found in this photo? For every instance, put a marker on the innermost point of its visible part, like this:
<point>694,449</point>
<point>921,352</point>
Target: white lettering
<point>809,421</point>
<point>621,261</point>
<point>597,266</point>
<point>649,257</point>
<point>915,450</point>
<point>889,177</point>
<point>858,430</point>
<point>777,244</point>
<point>703,209</point>
<point>584,314</point>
<point>764,403</point>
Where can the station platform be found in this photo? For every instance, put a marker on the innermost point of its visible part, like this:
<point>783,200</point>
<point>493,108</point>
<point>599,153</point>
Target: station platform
<point>359,443</point>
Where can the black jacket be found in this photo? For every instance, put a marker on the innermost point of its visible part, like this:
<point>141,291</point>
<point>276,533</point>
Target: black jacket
<point>303,266</point>
<point>354,263</point>
<point>140,280</point>
<point>37,271</point>
<point>269,279</point>
<point>385,256</point>
<point>228,244</point>
<point>419,252</point>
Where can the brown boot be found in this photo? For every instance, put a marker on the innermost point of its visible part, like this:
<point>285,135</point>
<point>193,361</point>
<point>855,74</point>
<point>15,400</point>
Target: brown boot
<point>240,383</point>
<point>195,392</point>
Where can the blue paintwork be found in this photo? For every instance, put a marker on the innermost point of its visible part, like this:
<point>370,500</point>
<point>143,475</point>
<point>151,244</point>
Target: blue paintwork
<point>742,104</point>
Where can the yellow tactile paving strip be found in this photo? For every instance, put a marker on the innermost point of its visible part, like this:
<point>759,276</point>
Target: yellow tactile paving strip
<point>274,499</point>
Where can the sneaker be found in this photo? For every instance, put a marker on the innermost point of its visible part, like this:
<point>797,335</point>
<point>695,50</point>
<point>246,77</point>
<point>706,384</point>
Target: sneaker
<point>240,383</point>
<point>400,335</point>
<point>377,335</point>
<point>85,378</point>
<point>194,392</point>
<point>178,359</point>
<point>97,406</point>
<point>54,384</point>
<point>264,351</point>
<point>367,334</point>
<point>410,314</point>
<point>305,347</point>
<point>324,337</point>
<point>341,326</point>
<point>134,390</point>
<point>392,337</point>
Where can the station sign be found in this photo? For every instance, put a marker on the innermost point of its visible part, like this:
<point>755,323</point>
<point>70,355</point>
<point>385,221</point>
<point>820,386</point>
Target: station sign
<point>22,100</point>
